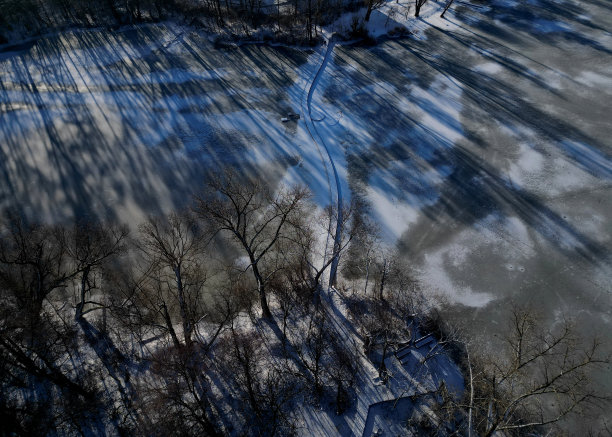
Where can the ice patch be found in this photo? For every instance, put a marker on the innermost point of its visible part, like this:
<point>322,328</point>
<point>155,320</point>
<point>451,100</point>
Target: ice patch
<point>448,270</point>
<point>439,108</point>
<point>529,165</point>
<point>593,79</point>
<point>488,68</point>
<point>439,282</point>
<point>593,225</point>
<point>389,189</point>
<point>518,230</point>
<point>509,234</point>
<point>395,217</point>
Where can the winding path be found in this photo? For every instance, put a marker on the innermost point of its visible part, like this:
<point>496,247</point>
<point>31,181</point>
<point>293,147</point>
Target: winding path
<point>318,139</point>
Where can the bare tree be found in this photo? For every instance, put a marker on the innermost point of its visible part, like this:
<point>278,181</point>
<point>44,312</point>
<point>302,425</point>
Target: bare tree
<point>314,349</point>
<point>255,217</point>
<point>290,300</point>
<point>33,264</point>
<point>384,269</point>
<point>404,294</point>
<point>173,247</point>
<point>383,328</point>
<point>177,394</point>
<point>265,389</point>
<point>92,246</point>
<point>539,377</point>
<point>365,247</point>
<point>342,370</point>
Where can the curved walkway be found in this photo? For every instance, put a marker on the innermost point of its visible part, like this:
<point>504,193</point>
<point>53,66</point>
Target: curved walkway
<point>318,139</point>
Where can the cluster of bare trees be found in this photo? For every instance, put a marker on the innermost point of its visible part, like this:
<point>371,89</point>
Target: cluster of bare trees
<point>39,16</point>
<point>102,331</point>
<point>293,21</point>
<point>38,266</point>
<point>158,332</point>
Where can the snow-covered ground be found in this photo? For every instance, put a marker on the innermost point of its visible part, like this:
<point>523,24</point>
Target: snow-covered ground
<point>417,371</point>
<point>482,143</point>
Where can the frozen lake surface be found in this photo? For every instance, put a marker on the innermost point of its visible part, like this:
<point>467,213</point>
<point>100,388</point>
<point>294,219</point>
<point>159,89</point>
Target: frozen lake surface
<point>483,145</point>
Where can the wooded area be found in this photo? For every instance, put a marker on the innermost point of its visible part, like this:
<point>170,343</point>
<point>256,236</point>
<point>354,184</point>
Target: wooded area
<point>157,332</point>
<point>295,21</point>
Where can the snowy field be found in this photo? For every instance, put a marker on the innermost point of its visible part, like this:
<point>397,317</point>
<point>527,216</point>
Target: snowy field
<point>124,124</point>
<point>483,143</point>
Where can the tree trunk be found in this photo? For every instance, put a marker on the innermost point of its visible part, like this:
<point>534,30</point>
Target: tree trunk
<point>382,371</point>
<point>491,430</point>
<point>79,308</point>
<point>471,395</point>
<point>159,8</point>
<point>491,415</point>
<point>382,280</point>
<point>199,391</point>
<point>265,310</point>
<point>138,11</point>
<point>367,278</point>
<point>285,317</point>
<point>168,320</point>
<point>310,21</point>
<point>369,12</point>
<point>244,359</point>
<point>333,271</point>
<point>187,328</point>
<point>448,5</point>
<point>316,280</point>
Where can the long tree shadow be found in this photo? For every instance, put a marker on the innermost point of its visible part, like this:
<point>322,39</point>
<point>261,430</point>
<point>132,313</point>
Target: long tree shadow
<point>138,117</point>
<point>475,190</point>
<point>506,103</point>
<point>467,187</point>
<point>551,21</point>
<point>117,364</point>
